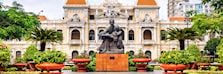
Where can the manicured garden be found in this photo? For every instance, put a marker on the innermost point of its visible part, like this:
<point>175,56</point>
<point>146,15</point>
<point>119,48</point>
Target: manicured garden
<point>19,24</point>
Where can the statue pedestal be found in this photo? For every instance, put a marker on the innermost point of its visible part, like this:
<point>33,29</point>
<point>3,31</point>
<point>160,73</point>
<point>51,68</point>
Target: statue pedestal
<point>112,62</point>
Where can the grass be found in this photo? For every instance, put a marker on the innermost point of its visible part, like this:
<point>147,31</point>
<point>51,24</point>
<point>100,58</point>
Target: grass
<point>202,72</point>
<point>20,72</point>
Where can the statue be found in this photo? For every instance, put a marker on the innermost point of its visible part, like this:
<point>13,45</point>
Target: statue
<point>112,39</point>
<point>147,19</point>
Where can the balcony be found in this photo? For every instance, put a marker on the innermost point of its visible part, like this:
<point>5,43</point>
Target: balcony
<point>75,42</point>
<point>148,42</point>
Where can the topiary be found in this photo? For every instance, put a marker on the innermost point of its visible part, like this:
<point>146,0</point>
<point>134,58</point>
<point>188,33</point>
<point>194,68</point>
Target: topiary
<point>175,57</point>
<point>50,56</point>
<point>30,53</point>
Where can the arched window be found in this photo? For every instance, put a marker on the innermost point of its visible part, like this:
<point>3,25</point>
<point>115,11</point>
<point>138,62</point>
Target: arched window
<point>60,31</point>
<point>91,53</point>
<point>131,53</point>
<point>18,54</point>
<point>123,35</point>
<point>131,35</point>
<point>75,34</point>
<point>147,35</point>
<point>91,35</point>
<point>74,54</point>
<point>99,33</point>
<point>148,54</point>
<point>163,52</point>
<point>163,34</point>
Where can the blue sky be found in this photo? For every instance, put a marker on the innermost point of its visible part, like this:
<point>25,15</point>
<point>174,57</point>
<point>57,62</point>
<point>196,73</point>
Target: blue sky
<point>53,9</point>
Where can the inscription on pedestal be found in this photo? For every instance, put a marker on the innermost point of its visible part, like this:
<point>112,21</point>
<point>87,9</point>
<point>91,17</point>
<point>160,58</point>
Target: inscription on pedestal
<point>112,62</point>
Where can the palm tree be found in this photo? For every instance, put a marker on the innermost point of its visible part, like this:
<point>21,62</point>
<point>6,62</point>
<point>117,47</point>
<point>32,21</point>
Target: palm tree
<point>44,36</point>
<point>181,35</point>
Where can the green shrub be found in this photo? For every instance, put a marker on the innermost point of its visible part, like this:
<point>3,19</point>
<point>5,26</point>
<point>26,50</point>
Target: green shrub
<point>220,52</point>
<point>4,57</point>
<point>50,56</point>
<point>19,60</point>
<point>194,52</point>
<point>157,68</point>
<point>149,68</point>
<point>211,45</point>
<point>67,68</point>
<point>175,57</point>
<point>73,68</point>
<point>213,68</point>
<point>132,68</point>
<point>91,67</point>
<point>11,69</point>
<point>30,53</point>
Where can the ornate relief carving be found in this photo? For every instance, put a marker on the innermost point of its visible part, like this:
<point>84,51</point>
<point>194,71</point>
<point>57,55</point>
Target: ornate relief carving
<point>147,19</point>
<point>75,18</point>
<point>111,10</point>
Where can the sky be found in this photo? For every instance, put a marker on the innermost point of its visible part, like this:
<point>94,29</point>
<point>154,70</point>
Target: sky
<point>53,9</point>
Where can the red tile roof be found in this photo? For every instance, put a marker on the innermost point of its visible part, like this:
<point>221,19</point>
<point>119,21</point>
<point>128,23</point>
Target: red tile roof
<point>178,18</point>
<point>76,2</point>
<point>42,18</point>
<point>146,2</point>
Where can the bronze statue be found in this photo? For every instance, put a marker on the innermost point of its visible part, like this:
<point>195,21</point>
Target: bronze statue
<point>112,39</point>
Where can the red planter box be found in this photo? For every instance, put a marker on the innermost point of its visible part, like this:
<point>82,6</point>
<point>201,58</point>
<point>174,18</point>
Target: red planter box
<point>141,67</point>
<point>50,66</point>
<point>173,67</point>
<point>81,64</point>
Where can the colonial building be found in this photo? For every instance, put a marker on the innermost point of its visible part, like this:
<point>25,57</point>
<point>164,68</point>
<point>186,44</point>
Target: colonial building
<point>82,23</point>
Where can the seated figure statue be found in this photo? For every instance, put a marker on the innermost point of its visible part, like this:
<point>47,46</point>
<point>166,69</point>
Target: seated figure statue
<point>112,40</point>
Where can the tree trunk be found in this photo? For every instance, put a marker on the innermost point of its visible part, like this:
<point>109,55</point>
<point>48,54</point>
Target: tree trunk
<point>182,44</point>
<point>42,46</point>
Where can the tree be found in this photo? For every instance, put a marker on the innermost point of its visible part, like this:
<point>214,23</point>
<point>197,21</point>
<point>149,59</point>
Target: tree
<point>44,36</point>
<point>216,4</point>
<point>208,24</point>
<point>181,35</point>
<point>212,45</point>
<point>15,22</point>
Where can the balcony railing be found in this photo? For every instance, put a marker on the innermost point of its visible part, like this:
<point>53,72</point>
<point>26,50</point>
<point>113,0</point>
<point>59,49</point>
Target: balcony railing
<point>148,42</point>
<point>75,41</point>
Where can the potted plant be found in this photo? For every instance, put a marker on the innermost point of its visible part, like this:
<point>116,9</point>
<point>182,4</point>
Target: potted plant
<point>194,55</point>
<point>4,57</point>
<point>81,62</point>
<point>141,61</point>
<point>50,60</point>
<point>174,60</point>
<point>29,56</point>
<point>203,62</point>
<point>20,63</point>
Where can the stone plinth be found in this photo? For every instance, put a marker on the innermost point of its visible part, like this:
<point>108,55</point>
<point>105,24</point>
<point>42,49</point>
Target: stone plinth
<point>112,62</point>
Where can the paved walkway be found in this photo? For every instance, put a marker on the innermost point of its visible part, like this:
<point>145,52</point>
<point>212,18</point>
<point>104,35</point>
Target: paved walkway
<point>70,72</point>
<point>154,72</point>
